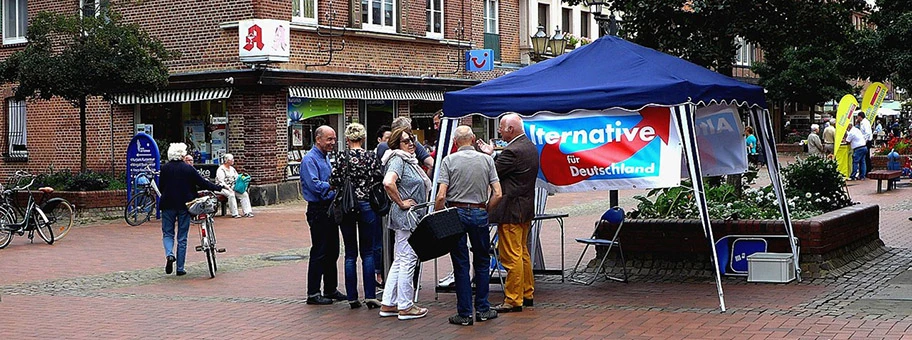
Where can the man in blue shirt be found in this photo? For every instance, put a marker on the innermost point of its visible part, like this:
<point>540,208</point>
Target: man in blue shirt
<point>324,233</point>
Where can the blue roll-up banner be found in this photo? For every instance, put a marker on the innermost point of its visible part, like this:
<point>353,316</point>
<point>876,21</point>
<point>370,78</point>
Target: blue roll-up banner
<point>141,152</point>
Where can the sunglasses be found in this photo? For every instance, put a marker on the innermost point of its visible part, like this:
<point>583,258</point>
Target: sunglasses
<point>409,140</point>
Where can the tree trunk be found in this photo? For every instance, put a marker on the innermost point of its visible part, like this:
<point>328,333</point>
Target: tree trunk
<point>82,135</point>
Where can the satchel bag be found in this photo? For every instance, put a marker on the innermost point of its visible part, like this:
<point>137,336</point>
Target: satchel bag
<point>241,183</point>
<point>437,234</point>
<point>379,200</point>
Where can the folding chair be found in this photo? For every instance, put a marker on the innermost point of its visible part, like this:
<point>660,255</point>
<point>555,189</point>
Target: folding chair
<point>614,216</point>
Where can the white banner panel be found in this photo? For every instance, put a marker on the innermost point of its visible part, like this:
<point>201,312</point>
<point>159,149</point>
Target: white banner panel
<point>606,150</point>
<point>720,140</point>
<point>263,40</point>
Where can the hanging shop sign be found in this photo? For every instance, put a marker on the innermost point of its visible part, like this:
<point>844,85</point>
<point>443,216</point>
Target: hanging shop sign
<point>263,40</point>
<point>479,60</point>
<point>303,108</point>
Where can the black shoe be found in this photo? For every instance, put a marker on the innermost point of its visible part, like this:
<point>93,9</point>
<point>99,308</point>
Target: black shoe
<point>461,320</point>
<point>485,316</point>
<point>528,303</point>
<point>507,308</point>
<point>169,266</point>
<point>319,300</point>
<point>354,304</point>
<point>337,295</point>
<point>181,273</point>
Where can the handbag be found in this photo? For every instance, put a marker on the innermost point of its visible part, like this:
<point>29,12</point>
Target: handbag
<point>437,234</point>
<point>241,183</point>
<point>346,201</point>
<point>379,200</point>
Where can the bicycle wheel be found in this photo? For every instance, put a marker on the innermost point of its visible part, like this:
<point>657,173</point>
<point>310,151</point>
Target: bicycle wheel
<point>6,218</point>
<point>44,228</point>
<point>60,215</point>
<point>209,248</point>
<point>139,209</point>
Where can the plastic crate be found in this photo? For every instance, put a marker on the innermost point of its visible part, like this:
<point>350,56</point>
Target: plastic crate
<point>770,267</point>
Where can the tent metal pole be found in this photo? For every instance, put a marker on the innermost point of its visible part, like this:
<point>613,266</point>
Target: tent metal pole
<point>687,131</point>
<point>444,144</point>
<point>765,135</point>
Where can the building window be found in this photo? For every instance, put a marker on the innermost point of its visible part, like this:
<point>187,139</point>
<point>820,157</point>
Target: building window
<point>17,132</point>
<point>745,54</point>
<point>566,20</point>
<point>15,21</point>
<point>304,11</point>
<point>202,125</point>
<point>434,11</point>
<point>491,24</point>
<point>90,8</point>
<point>585,19</point>
<point>379,15</point>
<point>544,12</point>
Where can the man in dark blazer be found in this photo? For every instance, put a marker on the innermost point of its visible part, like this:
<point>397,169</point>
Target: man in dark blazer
<point>517,168</point>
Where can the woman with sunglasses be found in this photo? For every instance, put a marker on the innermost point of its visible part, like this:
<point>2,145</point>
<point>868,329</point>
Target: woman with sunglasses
<point>407,185</point>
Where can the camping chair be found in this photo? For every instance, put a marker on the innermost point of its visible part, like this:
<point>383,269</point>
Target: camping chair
<point>614,216</point>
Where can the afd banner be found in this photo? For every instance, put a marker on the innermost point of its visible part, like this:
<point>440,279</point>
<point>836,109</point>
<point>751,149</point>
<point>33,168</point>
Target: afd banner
<point>606,150</point>
<point>720,140</point>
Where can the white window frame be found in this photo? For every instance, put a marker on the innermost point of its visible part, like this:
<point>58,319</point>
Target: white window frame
<point>430,10</point>
<point>389,27</point>
<point>23,14</point>
<point>99,4</point>
<point>299,17</point>
<point>491,24</point>
<point>745,54</point>
<point>16,118</point>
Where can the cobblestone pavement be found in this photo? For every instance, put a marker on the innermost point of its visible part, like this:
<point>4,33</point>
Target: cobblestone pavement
<point>106,281</point>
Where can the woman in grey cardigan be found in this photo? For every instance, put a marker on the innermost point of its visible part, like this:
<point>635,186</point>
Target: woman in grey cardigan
<point>815,146</point>
<point>407,185</point>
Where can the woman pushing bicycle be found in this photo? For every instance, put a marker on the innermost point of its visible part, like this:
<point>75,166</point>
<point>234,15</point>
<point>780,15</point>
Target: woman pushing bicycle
<point>178,182</point>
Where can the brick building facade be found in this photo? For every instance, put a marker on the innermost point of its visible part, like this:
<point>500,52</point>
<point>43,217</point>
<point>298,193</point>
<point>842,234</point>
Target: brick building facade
<point>394,63</point>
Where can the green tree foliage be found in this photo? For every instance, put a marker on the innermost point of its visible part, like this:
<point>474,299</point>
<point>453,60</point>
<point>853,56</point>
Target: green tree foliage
<point>76,57</point>
<point>886,48</point>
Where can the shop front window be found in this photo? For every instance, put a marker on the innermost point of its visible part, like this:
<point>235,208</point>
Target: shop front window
<point>305,115</point>
<point>374,114</point>
<point>202,125</point>
<point>422,113</point>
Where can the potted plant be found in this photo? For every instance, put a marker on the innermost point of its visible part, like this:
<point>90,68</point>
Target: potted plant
<point>584,41</point>
<point>572,40</point>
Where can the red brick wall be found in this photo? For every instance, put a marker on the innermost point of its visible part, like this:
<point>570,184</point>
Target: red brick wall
<point>258,134</point>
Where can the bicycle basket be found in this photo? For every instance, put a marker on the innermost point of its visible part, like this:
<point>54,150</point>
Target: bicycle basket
<point>202,205</point>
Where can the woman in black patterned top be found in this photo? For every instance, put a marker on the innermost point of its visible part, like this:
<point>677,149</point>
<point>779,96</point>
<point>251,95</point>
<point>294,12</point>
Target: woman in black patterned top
<point>363,169</point>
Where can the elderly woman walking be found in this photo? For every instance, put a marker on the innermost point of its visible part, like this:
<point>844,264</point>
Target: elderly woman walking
<point>407,185</point>
<point>362,168</point>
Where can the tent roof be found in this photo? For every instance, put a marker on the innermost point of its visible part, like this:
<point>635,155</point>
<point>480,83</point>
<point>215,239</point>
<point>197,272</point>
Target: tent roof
<point>609,72</point>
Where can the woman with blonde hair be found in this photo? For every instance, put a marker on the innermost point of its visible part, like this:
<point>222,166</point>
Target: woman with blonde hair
<point>226,176</point>
<point>407,185</point>
<point>362,169</point>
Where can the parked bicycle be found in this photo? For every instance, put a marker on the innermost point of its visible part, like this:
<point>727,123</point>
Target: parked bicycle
<point>202,209</point>
<point>145,198</point>
<point>52,218</point>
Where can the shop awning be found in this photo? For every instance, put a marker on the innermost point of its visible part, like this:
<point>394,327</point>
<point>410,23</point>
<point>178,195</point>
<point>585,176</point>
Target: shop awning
<point>367,94</point>
<point>173,96</point>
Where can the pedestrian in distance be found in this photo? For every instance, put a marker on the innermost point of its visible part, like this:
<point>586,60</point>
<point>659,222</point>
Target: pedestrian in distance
<point>815,146</point>
<point>178,182</point>
<point>407,186</point>
<point>864,125</point>
<point>324,232</point>
<point>362,168</point>
<point>468,181</point>
<point>829,137</point>
<point>226,176</point>
<point>517,167</point>
<point>857,141</point>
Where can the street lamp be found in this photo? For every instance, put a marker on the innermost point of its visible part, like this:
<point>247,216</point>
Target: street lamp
<point>595,5</point>
<point>540,41</point>
<point>557,42</point>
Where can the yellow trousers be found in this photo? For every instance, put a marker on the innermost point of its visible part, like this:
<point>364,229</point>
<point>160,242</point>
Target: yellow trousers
<point>513,248</point>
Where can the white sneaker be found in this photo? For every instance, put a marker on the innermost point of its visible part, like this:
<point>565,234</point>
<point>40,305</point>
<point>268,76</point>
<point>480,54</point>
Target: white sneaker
<point>250,214</point>
<point>449,280</point>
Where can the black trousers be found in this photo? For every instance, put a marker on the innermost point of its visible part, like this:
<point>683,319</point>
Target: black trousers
<point>868,166</point>
<point>324,251</point>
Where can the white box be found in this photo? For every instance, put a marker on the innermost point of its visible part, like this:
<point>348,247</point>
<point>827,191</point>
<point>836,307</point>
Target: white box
<point>770,267</point>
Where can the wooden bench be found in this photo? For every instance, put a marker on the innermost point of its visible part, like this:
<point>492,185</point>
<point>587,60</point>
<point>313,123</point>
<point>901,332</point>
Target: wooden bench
<point>891,176</point>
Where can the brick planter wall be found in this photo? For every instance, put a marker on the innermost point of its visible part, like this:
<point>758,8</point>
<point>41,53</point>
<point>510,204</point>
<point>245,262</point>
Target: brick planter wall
<point>880,161</point>
<point>794,148</point>
<point>827,242</point>
<point>90,205</point>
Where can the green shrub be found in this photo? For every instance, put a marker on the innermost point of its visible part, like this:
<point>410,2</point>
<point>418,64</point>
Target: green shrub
<point>82,181</point>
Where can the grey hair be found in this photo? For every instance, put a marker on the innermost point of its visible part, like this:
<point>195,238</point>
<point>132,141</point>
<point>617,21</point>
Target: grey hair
<point>815,127</point>
<point>176,151</point>
<point>228,157</point>
<point>463,132</point>
<point>401,122</point>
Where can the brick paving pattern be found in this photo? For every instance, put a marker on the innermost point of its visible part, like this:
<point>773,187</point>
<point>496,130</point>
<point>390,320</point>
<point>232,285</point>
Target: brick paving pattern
<point>106,281</point>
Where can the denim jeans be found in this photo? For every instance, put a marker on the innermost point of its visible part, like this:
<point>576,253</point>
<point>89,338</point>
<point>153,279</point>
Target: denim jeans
<point>359,228</point>
<point>858,162</point>
<point>476,223</point>
<point>324,251</point>
<point>182,217</point>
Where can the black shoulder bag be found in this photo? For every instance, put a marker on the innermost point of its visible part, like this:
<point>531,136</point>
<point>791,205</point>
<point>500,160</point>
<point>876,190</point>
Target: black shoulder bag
<point>346,201</point>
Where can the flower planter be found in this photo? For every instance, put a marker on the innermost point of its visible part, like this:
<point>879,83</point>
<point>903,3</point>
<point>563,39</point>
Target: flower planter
<point>827,242</point>
<point>790,148</point>
<point>89,205</point>
<point>880,161</point>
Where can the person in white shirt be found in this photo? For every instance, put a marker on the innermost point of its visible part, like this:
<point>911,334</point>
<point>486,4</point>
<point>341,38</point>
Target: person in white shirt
<point>864,125</point>
<point>226,175</point>
<point>859,147</point>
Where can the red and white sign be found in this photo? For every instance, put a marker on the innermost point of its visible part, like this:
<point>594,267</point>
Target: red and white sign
<point>263,40</point>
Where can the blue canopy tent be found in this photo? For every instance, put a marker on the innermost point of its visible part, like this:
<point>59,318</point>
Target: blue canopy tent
<point>612,73</point>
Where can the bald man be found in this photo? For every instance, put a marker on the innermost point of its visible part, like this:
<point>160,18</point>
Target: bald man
<point>517,168</point>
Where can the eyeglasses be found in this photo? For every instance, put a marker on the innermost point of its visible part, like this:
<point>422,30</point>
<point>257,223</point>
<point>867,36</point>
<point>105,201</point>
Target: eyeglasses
<point>407,141</point>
